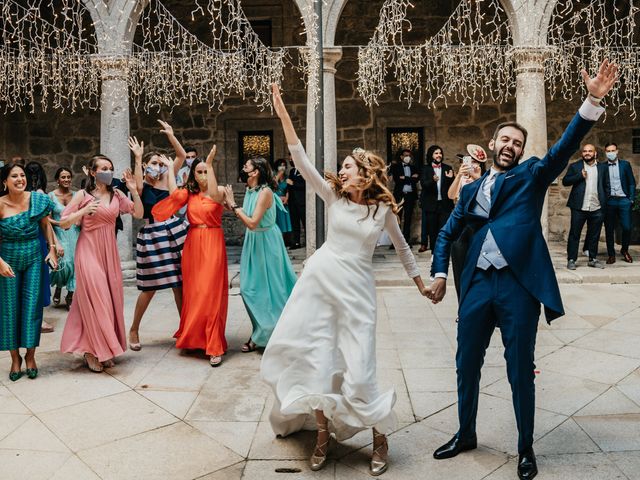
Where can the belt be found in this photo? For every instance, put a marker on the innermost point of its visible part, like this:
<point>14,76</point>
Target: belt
<point>266,229</point>
<point>203,225</point>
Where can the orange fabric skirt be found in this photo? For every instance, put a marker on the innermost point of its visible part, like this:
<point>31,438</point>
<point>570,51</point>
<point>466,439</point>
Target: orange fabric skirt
<point>205,288</point>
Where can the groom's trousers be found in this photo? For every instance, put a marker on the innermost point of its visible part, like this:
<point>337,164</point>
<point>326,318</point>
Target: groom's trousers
<point>496,298</point>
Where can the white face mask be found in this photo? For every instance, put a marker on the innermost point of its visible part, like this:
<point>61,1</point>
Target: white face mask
<point>612,156</point>
<point>407,159</point>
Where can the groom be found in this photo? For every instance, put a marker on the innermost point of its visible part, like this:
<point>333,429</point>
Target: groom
<point>508,271</point>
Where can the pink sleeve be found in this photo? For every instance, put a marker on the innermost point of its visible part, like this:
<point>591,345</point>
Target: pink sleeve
<point>125,203</point>
<point>73,207</point>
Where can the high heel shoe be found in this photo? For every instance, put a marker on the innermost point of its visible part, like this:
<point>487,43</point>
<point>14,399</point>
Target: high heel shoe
<point>15,376</point>
<point>317,462</point>
<point>68,300</point>
<point>32,373</point>
<point>378,467</point>
<point>56,296</point>
<point>92,363</point>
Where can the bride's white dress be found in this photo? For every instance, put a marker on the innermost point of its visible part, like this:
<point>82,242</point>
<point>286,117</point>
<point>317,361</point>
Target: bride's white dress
<point>322,352</point>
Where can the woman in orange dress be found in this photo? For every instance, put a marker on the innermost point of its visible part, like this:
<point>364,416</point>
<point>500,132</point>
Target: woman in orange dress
<point>204,260</point>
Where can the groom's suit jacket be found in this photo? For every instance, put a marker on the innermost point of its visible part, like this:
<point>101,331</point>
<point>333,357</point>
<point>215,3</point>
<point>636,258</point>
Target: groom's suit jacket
<point>514,220</point>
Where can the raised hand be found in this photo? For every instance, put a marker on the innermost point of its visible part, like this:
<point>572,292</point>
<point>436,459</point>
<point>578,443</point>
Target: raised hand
<point>129,180</point>
<point>212,155</point>
<point>603,82</point>
<point>166,161</point>
<point>277,102</point>
<point>166,128</point>
<point>228,194</point>
<point>136,147</point>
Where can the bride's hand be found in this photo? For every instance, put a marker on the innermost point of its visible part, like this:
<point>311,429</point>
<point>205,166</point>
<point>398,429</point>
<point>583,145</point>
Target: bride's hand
<point>278,104</point>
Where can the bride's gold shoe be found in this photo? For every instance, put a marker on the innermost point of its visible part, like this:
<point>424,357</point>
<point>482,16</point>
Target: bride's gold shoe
<point>317,462</point>
<point>378,467</point>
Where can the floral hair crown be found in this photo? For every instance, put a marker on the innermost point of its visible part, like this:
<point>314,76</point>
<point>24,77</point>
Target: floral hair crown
<point>359,153</point>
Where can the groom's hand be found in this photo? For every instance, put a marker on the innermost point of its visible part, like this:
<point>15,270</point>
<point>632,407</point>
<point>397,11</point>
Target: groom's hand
<point>436,291</point>
<point>603,82</point>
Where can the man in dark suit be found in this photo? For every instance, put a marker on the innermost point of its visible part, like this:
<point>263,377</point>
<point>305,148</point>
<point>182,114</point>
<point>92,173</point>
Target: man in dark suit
<point>508,271</point>
<point>297,203</point>
<point>436,179</point>
<point>589,184</point>
<point>622,192</point>
<point>405,179</point>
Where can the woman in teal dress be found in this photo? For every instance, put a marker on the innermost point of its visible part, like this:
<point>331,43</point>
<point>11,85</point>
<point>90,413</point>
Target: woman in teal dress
<point>283,219</point>
<point>266,273</point>
<point>64,276</point>
<point>23,215</point>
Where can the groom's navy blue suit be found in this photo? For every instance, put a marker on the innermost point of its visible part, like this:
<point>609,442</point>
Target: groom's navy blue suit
<point>508,291</point>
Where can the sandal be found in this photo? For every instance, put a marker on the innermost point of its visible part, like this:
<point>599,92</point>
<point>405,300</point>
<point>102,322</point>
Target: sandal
<point>215,360</point>
<point>317,462</point>
<point>378,467</point>
<point>68,299</point>
<point>92,363</point>
<point>108,363</point>
<point>249,347</point>
<point>56,296</point>
<point>46,327</point>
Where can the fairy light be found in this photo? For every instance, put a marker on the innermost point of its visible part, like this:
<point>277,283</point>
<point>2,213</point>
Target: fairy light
<point>472,60</point>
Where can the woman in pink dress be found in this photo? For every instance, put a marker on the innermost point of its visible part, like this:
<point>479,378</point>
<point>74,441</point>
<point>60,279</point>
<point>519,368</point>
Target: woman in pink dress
<point>95,325</point>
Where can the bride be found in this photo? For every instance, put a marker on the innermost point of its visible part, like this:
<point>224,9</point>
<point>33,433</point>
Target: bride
<point>321,356</point>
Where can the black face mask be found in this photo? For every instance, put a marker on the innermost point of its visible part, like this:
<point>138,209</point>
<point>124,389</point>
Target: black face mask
<point>244,176</point>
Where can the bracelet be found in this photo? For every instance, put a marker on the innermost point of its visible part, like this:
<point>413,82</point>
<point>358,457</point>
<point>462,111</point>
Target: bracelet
<point>595,99</point>
<point>53,245</point>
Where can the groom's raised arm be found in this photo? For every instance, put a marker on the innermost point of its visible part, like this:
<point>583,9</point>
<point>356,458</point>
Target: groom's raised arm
<point>555,161</point>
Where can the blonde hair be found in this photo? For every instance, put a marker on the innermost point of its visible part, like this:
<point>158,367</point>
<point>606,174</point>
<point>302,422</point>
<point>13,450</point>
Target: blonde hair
<point>373,170</point>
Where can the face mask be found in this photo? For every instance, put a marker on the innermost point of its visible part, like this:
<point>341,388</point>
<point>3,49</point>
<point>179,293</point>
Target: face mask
<point>201,177</point>
<point>156,173</point>
<point>612,155</point>
<point>190,162</point>
<point>104,177</point>
<point>244,176</point>
<point>406,159</point>
<point>282,168</point>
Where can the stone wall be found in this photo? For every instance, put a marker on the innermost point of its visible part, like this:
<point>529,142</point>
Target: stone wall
<point>55,138</point>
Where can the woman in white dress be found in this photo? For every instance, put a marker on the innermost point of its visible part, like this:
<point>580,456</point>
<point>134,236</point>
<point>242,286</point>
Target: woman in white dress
<point>321,356</point>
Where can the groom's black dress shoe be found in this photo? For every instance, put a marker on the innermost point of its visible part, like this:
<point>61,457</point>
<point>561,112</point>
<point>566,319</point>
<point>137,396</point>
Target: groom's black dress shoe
<point>527,466</point>
<point>455,446</point>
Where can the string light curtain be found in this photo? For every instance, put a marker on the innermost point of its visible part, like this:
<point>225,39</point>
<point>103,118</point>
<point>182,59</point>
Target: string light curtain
<point>472,59</point>
<point>57,64</point>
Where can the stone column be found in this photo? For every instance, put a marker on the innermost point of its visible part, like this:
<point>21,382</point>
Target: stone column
<point>114,133</point>
<point>531,108</point>
<point>331,56</point>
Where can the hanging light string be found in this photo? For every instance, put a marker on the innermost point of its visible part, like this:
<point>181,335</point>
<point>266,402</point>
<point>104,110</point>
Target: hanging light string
<point>472,58</point>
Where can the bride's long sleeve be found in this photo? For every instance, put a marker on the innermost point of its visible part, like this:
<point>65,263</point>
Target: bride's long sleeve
<point>402,247</point>
<point>310,174</point>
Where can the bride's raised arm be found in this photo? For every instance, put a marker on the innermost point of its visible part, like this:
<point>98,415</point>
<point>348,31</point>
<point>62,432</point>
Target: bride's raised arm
<point>298,155</point>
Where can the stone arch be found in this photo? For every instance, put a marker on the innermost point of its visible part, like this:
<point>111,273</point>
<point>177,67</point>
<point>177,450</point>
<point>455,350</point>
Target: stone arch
<point>115,23</point>
<point>525,31</point>
<point>332,10</point>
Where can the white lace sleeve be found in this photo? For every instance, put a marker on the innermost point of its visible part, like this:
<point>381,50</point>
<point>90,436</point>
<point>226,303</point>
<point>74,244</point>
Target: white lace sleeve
<point>402,247</point>
<point>310,174</point>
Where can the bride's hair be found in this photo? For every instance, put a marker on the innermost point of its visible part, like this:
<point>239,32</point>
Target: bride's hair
<point>373,170</point>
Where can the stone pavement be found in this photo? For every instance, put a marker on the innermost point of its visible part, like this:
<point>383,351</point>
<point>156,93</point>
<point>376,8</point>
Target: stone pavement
<point>161,414</point>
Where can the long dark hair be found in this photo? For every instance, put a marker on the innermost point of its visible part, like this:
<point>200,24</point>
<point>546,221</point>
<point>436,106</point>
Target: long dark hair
<point>56,176</point>
<point>91,182</point>
<point>430,151</point>
<point>4,174</point>
<point>192,185</point>
<point>265,176</point>
<point>36,177</point>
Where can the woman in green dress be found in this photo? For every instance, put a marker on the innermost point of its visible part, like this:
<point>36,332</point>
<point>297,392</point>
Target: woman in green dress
<point>23,215</point>
<point>266,273</point>
<point>283,219</point>
<point>64,276</point>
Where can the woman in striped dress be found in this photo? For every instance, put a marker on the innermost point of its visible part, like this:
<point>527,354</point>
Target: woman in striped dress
<point>159,243</point>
